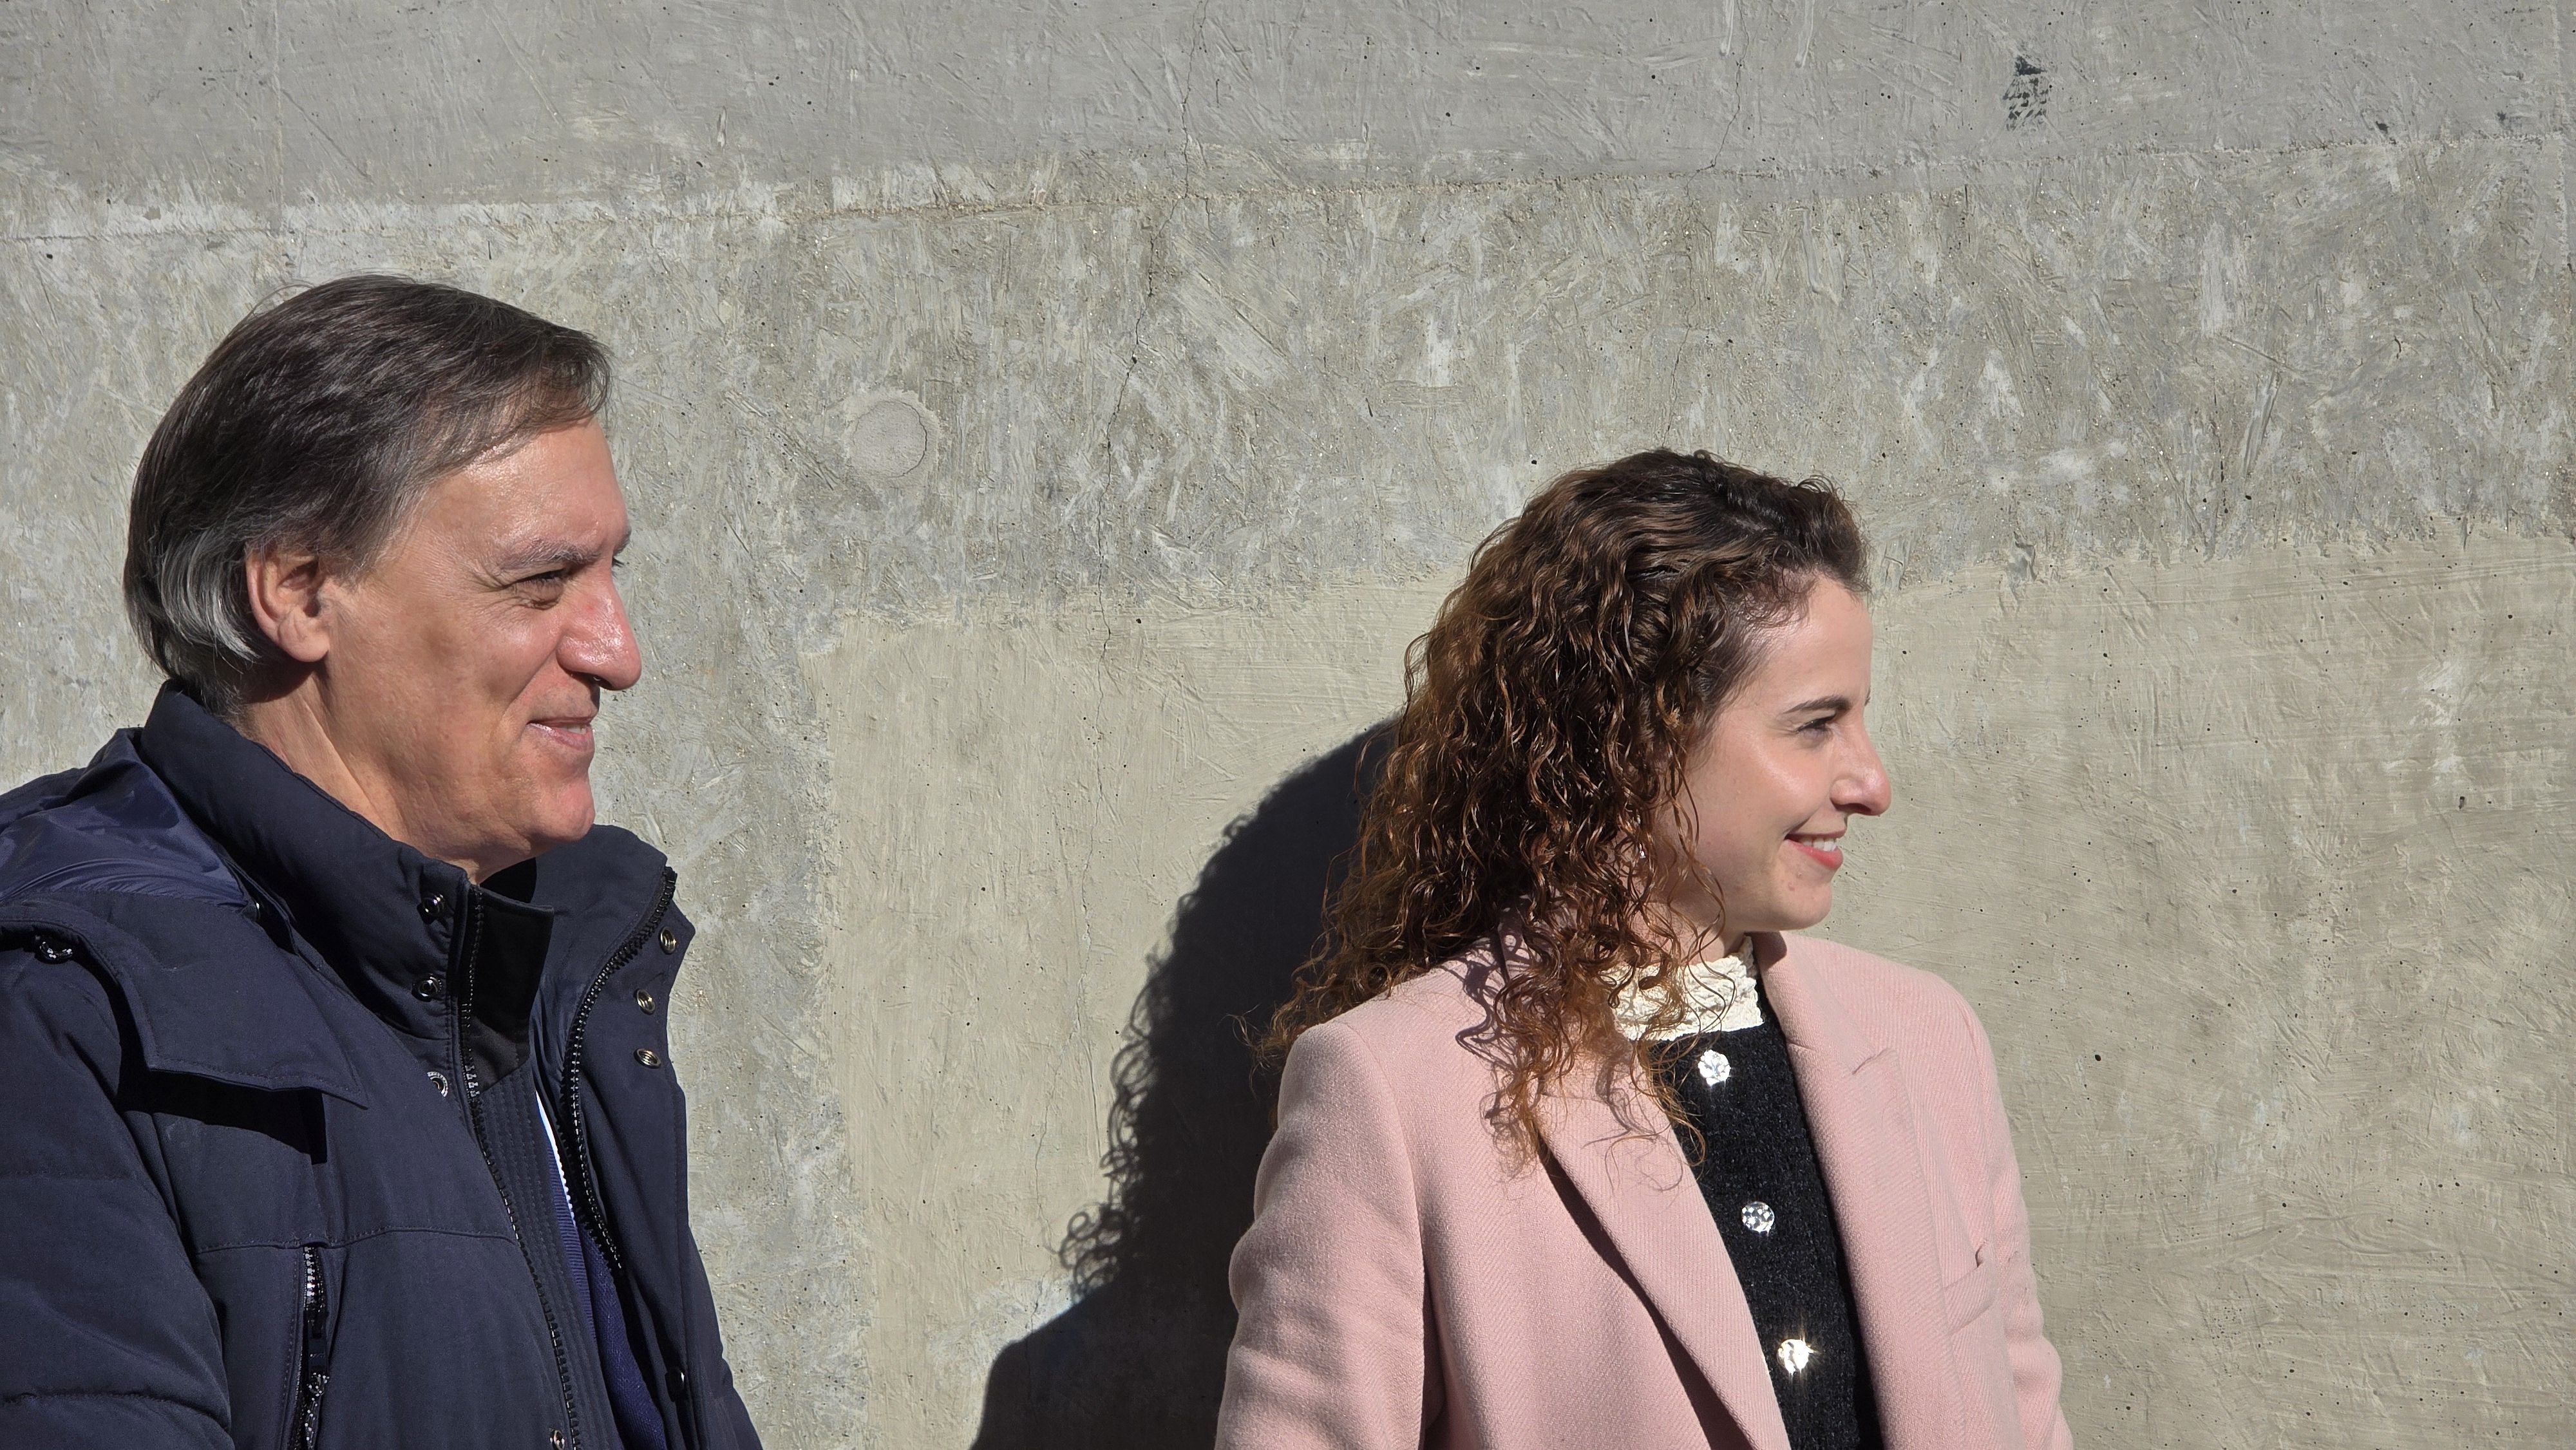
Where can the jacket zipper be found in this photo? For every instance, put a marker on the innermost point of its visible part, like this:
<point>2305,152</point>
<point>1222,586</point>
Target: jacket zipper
<point>467,939</point>
<point>312,1370</point>
<point>585,1200</point>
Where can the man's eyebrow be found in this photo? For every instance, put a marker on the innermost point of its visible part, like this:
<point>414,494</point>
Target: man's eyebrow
<point>544,555</point>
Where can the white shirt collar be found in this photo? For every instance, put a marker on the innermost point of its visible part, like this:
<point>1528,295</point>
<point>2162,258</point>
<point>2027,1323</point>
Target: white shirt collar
<point>1717,996</point>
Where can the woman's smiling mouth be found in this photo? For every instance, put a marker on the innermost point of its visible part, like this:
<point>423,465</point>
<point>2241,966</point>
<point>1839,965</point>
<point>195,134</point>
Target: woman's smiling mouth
<point>1825,851</point>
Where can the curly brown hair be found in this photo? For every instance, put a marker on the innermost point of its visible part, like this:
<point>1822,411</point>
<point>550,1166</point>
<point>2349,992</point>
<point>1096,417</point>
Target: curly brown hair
<point>1529,785</point>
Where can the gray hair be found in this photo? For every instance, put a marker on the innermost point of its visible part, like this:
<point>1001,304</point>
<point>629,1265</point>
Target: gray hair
<point>315,425</point>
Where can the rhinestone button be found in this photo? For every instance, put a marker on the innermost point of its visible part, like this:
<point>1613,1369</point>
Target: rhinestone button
<point>1794,1354</point>
<point>1759,1217</point>
<point>648,1057</point>
<point>644,1002</point>
<point>438,1080</point>
<point>1714,1068</point>
<point>670,940</point>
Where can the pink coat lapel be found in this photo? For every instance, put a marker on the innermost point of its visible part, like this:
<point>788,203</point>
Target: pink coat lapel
<point>1642,1194</point>
<point>1857,1107</point>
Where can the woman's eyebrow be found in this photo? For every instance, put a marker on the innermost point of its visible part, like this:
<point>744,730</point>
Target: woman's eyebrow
<point>1827,704</point>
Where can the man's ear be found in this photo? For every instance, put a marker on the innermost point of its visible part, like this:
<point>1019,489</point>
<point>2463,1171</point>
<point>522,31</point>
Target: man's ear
<point>287,601</point>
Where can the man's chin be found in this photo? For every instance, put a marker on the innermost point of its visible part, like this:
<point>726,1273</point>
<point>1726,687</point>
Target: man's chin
<point>565,822</point>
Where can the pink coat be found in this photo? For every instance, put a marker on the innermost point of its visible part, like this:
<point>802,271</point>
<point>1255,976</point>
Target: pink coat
<point>1404,1283</point>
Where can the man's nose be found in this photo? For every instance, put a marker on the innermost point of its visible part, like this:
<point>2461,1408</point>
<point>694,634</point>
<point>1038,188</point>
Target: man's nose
<point>600,645</point>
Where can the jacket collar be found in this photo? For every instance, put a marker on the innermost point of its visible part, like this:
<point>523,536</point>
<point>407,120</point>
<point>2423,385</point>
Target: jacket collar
<point>382,917</point>
<point>1861,1114</point>
<point>1619,1153</point>
<point>1812,1013</point>
<point>1622,1157</point>
<point>1641,1193</point>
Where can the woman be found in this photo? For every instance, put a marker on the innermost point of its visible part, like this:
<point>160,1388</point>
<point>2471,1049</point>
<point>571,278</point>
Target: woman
<point>1575,1146</point>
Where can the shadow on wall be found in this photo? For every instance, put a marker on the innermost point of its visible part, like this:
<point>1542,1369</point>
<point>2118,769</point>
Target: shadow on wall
<point>1138,1362</point>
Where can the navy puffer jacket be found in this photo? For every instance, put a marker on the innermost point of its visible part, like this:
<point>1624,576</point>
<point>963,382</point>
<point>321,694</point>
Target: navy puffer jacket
<point>268,1115</point>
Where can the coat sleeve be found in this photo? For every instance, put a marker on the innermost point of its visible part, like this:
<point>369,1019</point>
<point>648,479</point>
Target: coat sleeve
<point>1331,1346</point>
<point>721,1401</point>
<point>107,1340</point>
<point>2035,1369</point>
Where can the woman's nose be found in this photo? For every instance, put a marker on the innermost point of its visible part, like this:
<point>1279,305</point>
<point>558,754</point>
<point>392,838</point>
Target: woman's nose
<point>1864,788</point>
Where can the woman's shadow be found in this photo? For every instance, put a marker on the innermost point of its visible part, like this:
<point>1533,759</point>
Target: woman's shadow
<point>1138,1362</point>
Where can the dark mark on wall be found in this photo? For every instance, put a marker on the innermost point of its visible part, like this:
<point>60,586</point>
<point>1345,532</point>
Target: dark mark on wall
<point>2026,99</point>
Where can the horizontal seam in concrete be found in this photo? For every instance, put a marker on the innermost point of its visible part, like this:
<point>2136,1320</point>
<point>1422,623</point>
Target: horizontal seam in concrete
<point>1894,176</point>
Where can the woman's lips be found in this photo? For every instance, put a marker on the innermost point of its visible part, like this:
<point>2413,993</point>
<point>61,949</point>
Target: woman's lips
<point>1824,851</point>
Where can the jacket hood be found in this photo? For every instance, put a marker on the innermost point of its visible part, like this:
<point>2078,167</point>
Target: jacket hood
<point>80,850</point>
<point>109,826</point>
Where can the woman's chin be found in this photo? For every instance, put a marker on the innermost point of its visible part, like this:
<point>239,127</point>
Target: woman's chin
<point>1797,917</point>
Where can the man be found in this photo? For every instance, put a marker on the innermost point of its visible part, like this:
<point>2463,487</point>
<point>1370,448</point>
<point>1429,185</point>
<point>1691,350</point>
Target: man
<point>335,1102</point>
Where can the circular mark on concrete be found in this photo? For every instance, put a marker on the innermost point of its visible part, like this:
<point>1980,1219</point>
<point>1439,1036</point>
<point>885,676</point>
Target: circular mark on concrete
<point>888,437</point>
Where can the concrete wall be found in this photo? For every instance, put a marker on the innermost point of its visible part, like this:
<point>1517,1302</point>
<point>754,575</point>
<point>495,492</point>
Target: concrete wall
<point>1047,423</point>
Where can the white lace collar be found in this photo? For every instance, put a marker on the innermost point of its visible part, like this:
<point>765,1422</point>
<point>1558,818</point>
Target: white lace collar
<point>1717,996</point>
